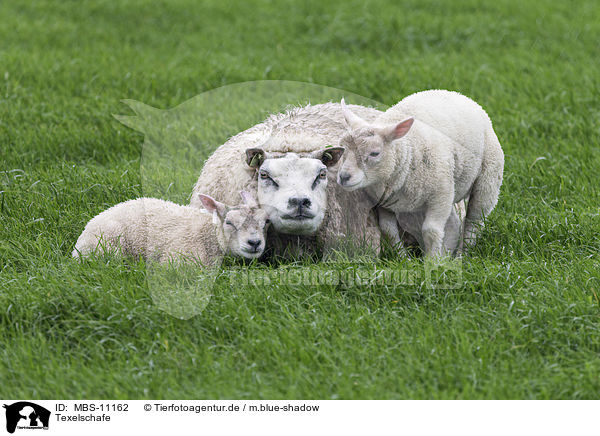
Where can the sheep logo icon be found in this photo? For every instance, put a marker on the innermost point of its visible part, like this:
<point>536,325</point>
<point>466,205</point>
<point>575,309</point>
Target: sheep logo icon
<point>26,415</point>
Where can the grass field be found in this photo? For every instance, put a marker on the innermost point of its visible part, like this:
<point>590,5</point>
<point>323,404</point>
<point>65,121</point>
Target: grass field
<point>525,322</point>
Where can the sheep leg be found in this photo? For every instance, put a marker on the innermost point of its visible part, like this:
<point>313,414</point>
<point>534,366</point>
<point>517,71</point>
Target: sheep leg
<point>485,190</point>
<point>389,226</point>
<point>411,224</point>
<point>434,224</point>
<point>453,228</point>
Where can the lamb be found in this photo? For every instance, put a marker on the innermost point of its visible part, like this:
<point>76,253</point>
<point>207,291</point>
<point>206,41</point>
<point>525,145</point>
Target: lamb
<point>305,133</point>
<point>431,150</point>
<point>160,230</point>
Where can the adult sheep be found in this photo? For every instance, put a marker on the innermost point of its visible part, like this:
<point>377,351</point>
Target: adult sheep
<point>304,134</point>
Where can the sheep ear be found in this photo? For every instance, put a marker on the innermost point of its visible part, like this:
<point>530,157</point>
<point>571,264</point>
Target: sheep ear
<point>330,156</point>
<point>255,157</point>
<point>213,206</point>
<point>248,199</point>
<point>353,120</point>
<point>398,130</point>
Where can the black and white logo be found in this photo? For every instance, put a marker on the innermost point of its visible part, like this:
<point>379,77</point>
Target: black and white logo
<point>26,415</point>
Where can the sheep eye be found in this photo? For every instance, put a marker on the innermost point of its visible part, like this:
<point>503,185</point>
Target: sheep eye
<point>374,154</point>
<point>229,223</point>
<point>265,176</point>
<point>322,176</point>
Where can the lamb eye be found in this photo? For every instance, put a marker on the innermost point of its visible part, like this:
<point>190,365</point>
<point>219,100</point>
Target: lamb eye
<point>374,154</point>
<point>264,175</point>
<point>229,223</point>
<point>323,174</point>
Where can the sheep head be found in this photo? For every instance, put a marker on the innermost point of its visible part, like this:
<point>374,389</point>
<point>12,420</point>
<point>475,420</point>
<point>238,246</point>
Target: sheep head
<point>370,156</point>
<point>242,229</point>
<point>293,188</point>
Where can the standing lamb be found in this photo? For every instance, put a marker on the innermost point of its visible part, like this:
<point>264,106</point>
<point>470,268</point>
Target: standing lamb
<point>432,150</point>
<point>161,230</point>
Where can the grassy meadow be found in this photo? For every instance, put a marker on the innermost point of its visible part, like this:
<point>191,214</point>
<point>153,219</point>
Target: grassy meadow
<point>524,321</point>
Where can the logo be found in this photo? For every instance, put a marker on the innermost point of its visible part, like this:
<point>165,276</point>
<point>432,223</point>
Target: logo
<point>26,415</point>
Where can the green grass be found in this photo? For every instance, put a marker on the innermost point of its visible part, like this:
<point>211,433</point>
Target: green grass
<point>525,323</point>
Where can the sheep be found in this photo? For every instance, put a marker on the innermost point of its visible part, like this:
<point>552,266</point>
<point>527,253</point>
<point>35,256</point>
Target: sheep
<point>302,134</point>
<point>160,230</point>
<point>433,149</point>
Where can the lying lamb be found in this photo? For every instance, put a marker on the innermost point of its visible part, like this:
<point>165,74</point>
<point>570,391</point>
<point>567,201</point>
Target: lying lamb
<point>430,151</point>
<point>161,230</point>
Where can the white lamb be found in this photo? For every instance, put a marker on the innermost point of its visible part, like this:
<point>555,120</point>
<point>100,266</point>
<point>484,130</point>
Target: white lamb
<point>161,230</point>
<point>431,150</point>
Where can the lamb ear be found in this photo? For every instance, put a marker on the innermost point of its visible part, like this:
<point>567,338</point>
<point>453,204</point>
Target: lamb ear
<point>397,131</point>
<point>330,156</point>
<point>248,199</point>
<point>255,157</point>
<point>213,206</point>
<point>353,120</point>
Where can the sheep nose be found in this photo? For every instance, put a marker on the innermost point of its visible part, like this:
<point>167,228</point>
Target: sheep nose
<point>344,177</point>
<point>299,202</point>
<point>254,243</point>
